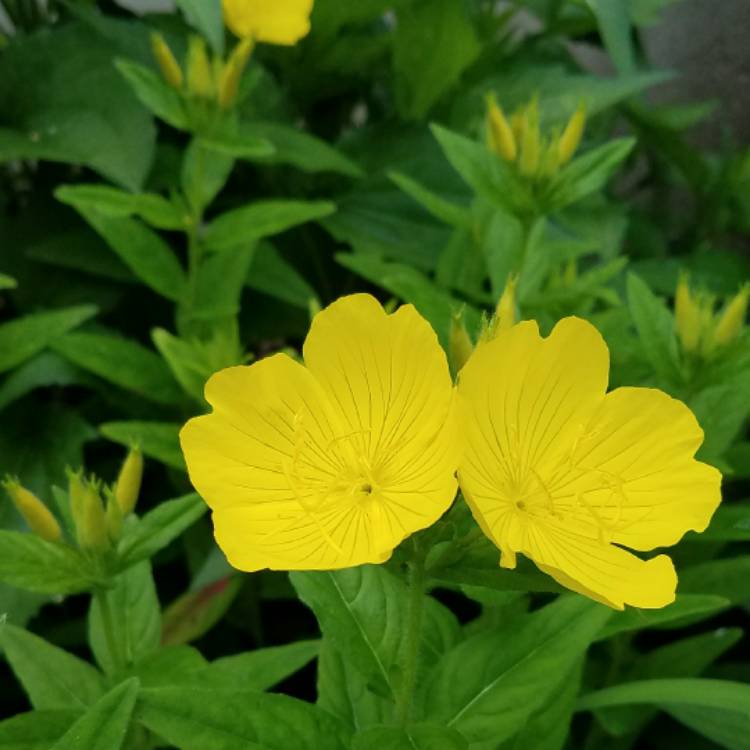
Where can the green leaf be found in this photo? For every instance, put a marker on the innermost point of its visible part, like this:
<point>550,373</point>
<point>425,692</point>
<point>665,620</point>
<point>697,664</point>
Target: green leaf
<point>686,608</point>
<point>271,274</point>
<point>122,362</point>
<point>246,225</point>
<point>503,244</point>
<point>109,201</point>
<point>355,610</point>
<point>613,18</point>
<point>154,93</point>
<point>435,304</point>
<point>656,329</point>
<point>684,658</point>
<point>159,440</point>
<point>587,173</point>
<point>170,665</point>
<point>237,145</point>
<point>22,338</point>
<point>7,282</point>
<point>195,719</point>
<point>193,614</point>
<point>204,173</point>
<point>343,692</point>
<point>136,617</point>
<point>63,101</point>
<point>486,173</point>
<point>105,725</point>
<point>261,669</point>
<point>726,578</point>
<point>31,563</point>
<point>730,523</point>
<point>300,149</point>
<point>718,709</point>
<point>159,527</point>
<point>44,369</point>
<point>143,251</point>
<point>722,411</point>
<point>416,737</point>
<point>548,727</point>
<point>435,42</point>
<point>35,730</point>
<point>505,673</point>
<point>439,207</point>
<point>51,677</point>
<point>205,16</point>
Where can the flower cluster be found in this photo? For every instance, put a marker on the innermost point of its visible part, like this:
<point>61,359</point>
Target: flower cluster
<point>332,463</point>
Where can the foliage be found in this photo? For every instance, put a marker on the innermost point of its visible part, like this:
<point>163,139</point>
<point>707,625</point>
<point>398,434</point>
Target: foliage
<point>162,219</point>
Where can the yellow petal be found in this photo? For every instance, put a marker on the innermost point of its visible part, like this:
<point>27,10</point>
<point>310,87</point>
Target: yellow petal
<point>603,572</point>
<point>388,380</point>
<point>334,465</point>
<point>526,399</point>
<point>273,21</point>
<point>635,465</point>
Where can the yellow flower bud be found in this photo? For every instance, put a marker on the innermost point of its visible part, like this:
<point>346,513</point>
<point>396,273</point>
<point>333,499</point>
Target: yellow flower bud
<point>35,512</point>
<point>128,484</point>
<point>200,79</point>
<point>530,140</point>
<point>115,517</point>
<point>505,312</point>
<point>571,137</point>
<point>91,526</point>
<point>732,320</point>
<point>460,343</point>
<point>688,316</point>
<point>231,73</point>
<point>168,65</point>
<point>500,138</point>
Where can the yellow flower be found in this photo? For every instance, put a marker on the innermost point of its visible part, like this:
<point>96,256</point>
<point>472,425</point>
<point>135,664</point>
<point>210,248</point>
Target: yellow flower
<point>556,470</point>
<point>273,21</point>
<point>329,464</point>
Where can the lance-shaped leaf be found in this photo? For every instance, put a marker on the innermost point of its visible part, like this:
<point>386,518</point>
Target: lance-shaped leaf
<point>195,719</point>
<point>136,620</point>
<point>159,527</point>
<point>159,440</point>
<point>35,730</point>
<point>22,338</point>
<point>51,677</point>
<point>360,610</point>
<point>31,563</point>
<point>247,225</point>
<point>105,725</point>
<point>123,362</point>
<point>417,737</point>
<point>505,673</point>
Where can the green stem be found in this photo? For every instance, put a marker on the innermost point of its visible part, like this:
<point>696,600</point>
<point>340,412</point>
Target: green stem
<point>108,626</point>
<point>410,662</point>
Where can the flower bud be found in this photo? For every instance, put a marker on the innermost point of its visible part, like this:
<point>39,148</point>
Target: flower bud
<point>571,137</point>
<point>688,316</point>
<point>732,320</point>
<point>530,140</point>
<point>500,138</point>
<point>460,343</point>
<point>200,80</point>
<point>35,512</point>
<point>505,312</point>
<point>128,485</point>
<point>91,525</point>
<point>231,73</point>
<point>115,517</point>
<point>168,65</point>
